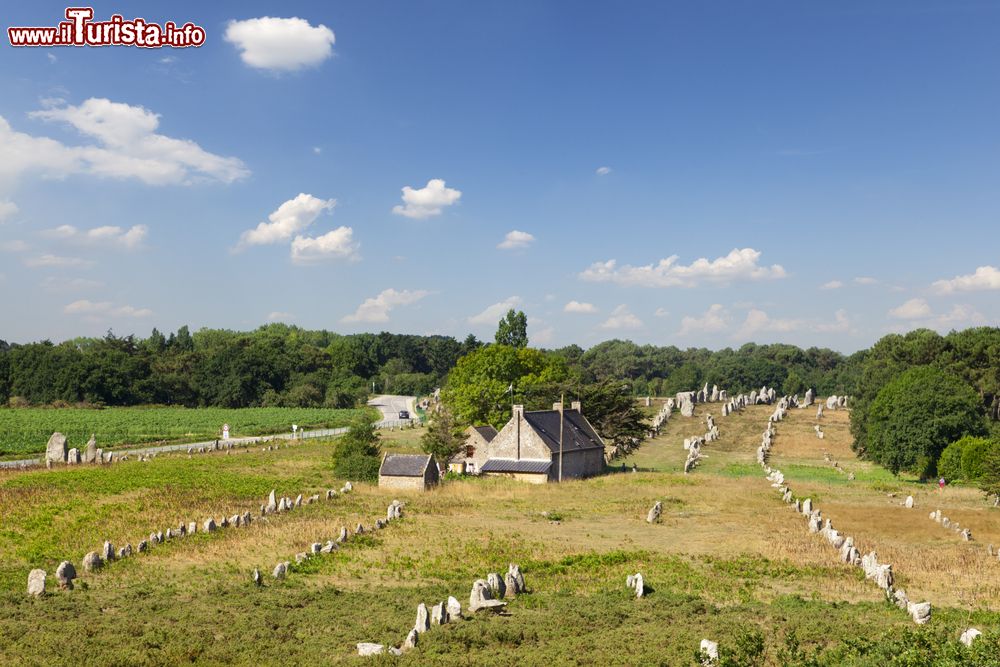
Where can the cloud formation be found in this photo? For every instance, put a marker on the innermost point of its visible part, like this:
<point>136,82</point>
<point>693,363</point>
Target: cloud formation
<point>738,265</point>
<point>622,318</point>
<point>7,210</point>
<point>377,308</point>
<point>280,44</point>
<point>108,235</point>
<point>833,284</point>
<point>602,171</point>
<point>292,217</point>
<point>493,313</point>
<point>125,146</point>
<point>103,309</point>
<point>580,307</point>
<point>516,239</point>
<point>715,319</point>
<point>914,309</point>
<point>427,201</point>
<point>336,244</point>
<point>49,260</point>
<point>984,278</point>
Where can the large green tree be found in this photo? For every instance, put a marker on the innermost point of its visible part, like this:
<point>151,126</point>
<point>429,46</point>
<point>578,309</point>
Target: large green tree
<point>443,437</point>
<point>513,329</point>
<point>914,417</point>
<point>357,454</point>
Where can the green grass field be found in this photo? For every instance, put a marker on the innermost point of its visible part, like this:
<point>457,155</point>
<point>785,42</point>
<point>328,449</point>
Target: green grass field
<point>26,430</point>
<point>729,562</point>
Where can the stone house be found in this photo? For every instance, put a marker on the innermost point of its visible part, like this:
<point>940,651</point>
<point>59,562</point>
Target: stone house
<point>471,458</point>
<point>527,448</point>
<point>416,472</point>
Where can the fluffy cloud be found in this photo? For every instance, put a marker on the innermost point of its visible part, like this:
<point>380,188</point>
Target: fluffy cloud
<point>602,171</point>
<point>279,316</point>
<point>7,209</point>
<point>106,235</point>
<point>622,318</point>
<point>493,313</point>
<point>292,217</point>
<point>985,278</point>
<point>516,239</point>
<point>758,321</point>
<point>914,309</point>
<point>738,265</point>
<point>280,44</point>
<point>56,261</point>
<point>14,245</point>
<point>580,307</point>
<point>126,145</point>
<point>103,309</point>
<point>841,323</point>
<point>426,201</point>
<point>337,244</point>
<point>865,280</point>
<point>716,318</point>
<point>377,308</point>
<point>661,312</point>
<point>833,284</point>
<point>543,336</point>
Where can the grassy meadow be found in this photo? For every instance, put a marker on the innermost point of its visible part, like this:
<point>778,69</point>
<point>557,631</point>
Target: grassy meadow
<point>25,431</point>
<point>729,561</point>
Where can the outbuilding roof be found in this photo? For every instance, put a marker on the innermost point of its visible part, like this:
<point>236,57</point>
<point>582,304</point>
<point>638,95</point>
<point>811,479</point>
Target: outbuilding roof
<point>516,465</point>
<point>488,432</point>
<point>404,465</point>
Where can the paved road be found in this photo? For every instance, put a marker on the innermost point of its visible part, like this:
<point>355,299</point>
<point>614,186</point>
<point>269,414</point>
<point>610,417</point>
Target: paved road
<point>390,407</point>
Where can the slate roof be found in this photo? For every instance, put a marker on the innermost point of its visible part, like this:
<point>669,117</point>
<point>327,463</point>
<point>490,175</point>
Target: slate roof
<point>488,432</point>
<point>404,465</point>
<point>577,432</point>
<point>512,465</point>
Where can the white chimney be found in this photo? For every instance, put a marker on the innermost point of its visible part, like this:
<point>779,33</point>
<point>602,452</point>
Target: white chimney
<point>518,411</point>
<point>557,405</point>
<point>575,405</point>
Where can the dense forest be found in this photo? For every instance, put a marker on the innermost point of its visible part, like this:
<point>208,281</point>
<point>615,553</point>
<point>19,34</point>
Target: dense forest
<point>285,366</point>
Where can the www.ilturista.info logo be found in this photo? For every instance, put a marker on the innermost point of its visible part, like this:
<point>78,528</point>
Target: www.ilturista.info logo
<point>81,30</point>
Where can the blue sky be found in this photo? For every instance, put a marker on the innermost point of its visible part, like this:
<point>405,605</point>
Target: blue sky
<point>697,174</point>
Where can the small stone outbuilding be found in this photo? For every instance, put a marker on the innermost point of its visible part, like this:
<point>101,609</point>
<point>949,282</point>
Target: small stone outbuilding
<point>417,472</point>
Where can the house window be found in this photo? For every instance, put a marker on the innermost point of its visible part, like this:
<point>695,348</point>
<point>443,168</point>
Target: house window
<point>470,451</point>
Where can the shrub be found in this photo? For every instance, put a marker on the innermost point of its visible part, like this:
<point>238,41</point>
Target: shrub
<point>950,464</point>
<point>357,454</point>
<point>974,456</point>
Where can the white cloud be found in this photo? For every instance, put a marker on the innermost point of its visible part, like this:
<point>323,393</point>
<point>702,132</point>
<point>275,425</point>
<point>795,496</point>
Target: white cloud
<point>57,261</point>
<point>580,307</point>
<point>493,313</point>
<point>426,201</point>
<point>914,309</point>
<point>280,44</point>
<point>52,58</point>
<point>602,171</point>
<point>865,280</point>
<point>127,146</point>
<point>959,314</point>
<point>833,284</point>
<point>985,278</point>
<point>336,244</point>
<point>758,321</point>
<point>377,308</point>
<point>15,245</point>
<point>286,221</point>
<point>106,235</point>
<point>317,150</point>
<point>738,265</point>
<point>167,60</point>
<point>7,209</point>
<point>622,318</point>
<point>661,312</point>
<point>54,284</point>
<point>102,309</point>
<point>716,318</point>
<point>516,239</point>
<point>841,323</point>
<point>279,316</point>
<point>543,336</point>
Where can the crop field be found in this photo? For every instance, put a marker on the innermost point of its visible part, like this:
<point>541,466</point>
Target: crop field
<point>26,430</point>
<point>729,561</point>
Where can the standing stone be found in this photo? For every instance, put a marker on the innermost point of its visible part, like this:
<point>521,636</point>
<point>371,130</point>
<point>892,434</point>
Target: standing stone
<point>423,623</point>
<point>209,525</point>
<point>967,637</point>
<point>92,562</point>
<point>454,608</point>
<point>298,501</point>
<point>108,551</point>
<point>654,513</point>
<point>65,574</point>
<point>439,615</point>
<point>687,409</point>
<point>36,583</point>
<point>342,537</point>
<point>497,586</point>
<point>280,570</point>
<point>192,528</point>
<point>807,506</point>
<point>55,450</point>
<point>370,648</point>
<point>257,579</point>
<point>411,639</point>
<point>272,504</point>
<point>482,598</point>
<point>710,651</point>
<point>909,502</point>
<point>73,456</point>
<point>90,453</point>
<point>640,586</point>
<point>142,546</point>
<point>920,612</point>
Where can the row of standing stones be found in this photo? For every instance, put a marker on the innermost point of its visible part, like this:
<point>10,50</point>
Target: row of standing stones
<point>282,568</point>
<point>95,561</point>
<point>880,573</point>
<point>487,595</point>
